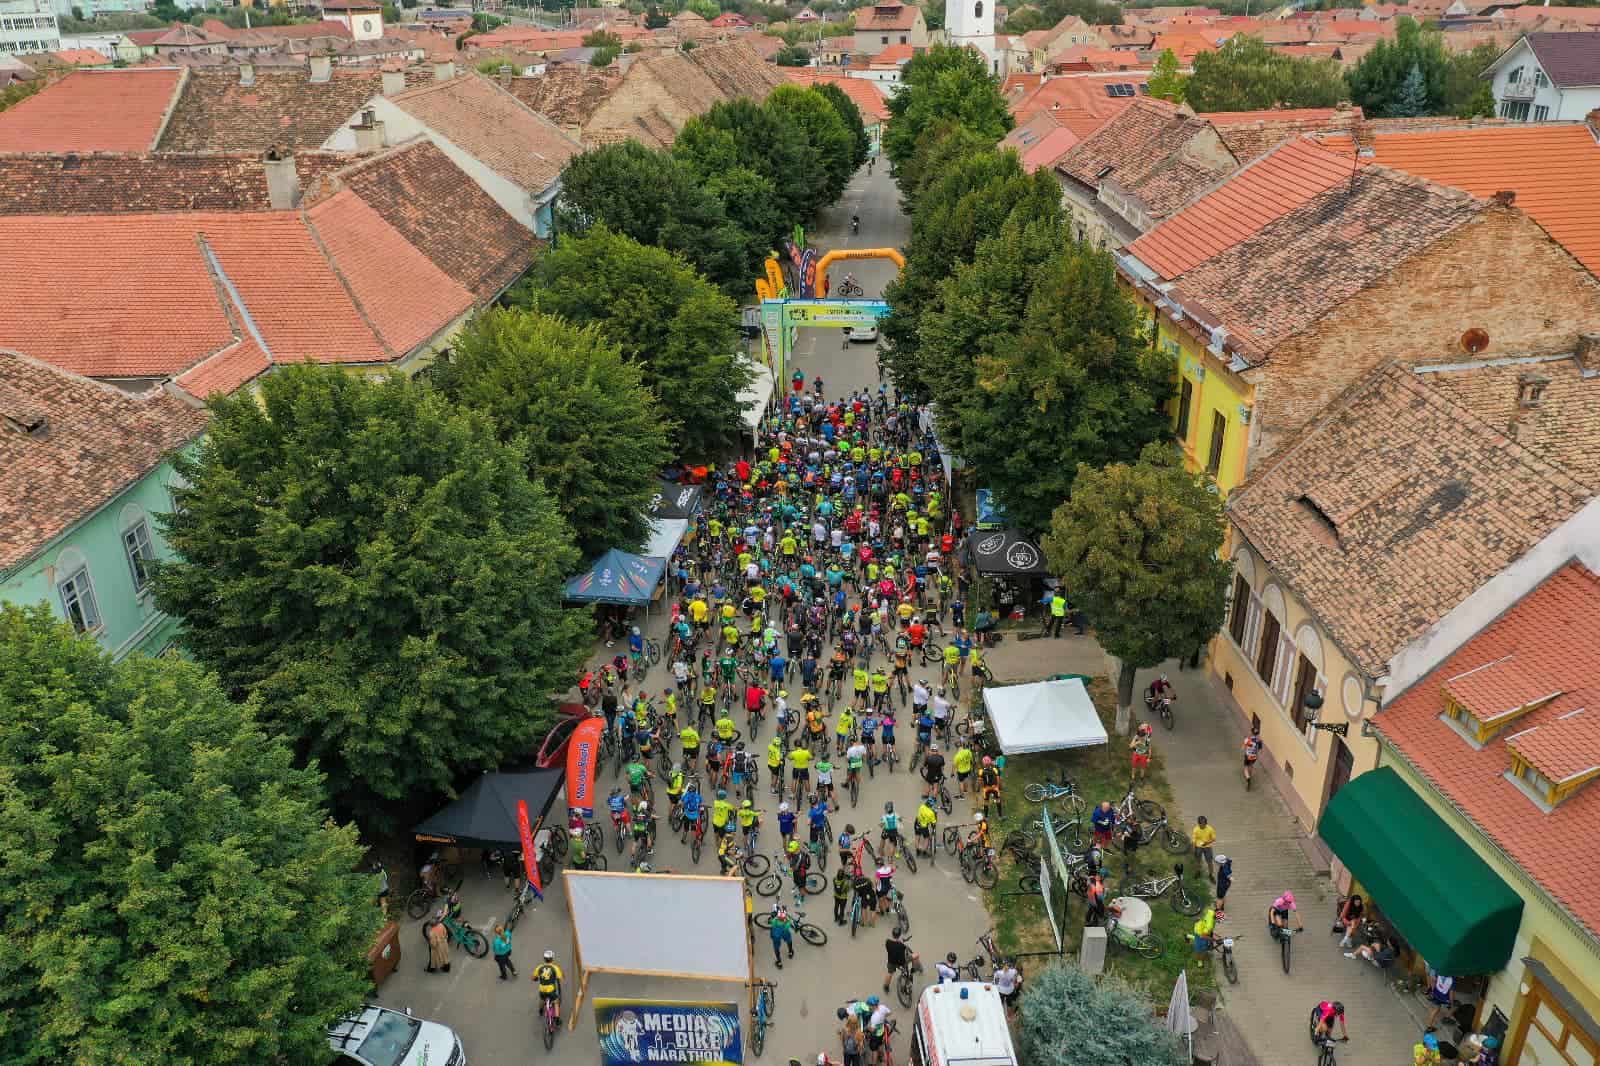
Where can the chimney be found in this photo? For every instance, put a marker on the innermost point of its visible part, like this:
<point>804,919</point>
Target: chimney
<point>444,71</point>
<point>1592,120</point>
<point>247,74</point>
<point>369,132</point>
<point>1505,197</point>
<point>283,180</point>
<point>321,68</point>
<point>394,82</point>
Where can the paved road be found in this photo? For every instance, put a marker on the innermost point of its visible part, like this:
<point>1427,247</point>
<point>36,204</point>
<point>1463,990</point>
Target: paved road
<point>496,1019</point>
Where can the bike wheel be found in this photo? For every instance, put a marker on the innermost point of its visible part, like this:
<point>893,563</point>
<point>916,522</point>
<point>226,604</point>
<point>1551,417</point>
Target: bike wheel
<point>902,919</point>
<point>762,919</point>
<point>756,865</point>
<point>417,903</point>
<point>473,942</point>
<point>1283,942</point>
<point>597,861</point>
<point>946,804</point>
<point>758,1038</point>
<point>1174,841</point>
<point>622,838</point>
<point>515,916</point>
<point>855,791</point>
<point>596,838</point>
<point>968,874</point>
<point>820,854</point>
<point>694,850</point>
<point>811,934</point>
<point>1034,792</point>
<point>816,884</point>
<point>1230,968</point>
<point>549,1035</point>
<point>1074,805</point>
<point>1026,883</point>
<point>986,874</point>
<point>903,988</point>
<point>1151,947</point>
<point>910,857</point>
<point>769,885</point>
<point>558,845</point>
<point>855,917</point>
<point>952,837</point>
<point>1166,717</point>
<point>1183,901</point>
<point>1149,810</point>
<point>675,820</point>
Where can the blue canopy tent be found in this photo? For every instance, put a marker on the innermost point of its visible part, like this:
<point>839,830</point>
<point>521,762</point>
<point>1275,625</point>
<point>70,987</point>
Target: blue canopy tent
<point>617,577</point>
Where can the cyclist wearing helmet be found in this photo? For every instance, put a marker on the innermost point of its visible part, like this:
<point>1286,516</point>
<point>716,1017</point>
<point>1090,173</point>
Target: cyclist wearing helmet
<point>721,814</point>
<point>547,975</point>
<point>1323,1016</point>
<point>989,780</point>
<point>947,969</point>
<point>578,849</point>
<point>1278,915</point>
<point>891,830</point>
<point>799,865</point>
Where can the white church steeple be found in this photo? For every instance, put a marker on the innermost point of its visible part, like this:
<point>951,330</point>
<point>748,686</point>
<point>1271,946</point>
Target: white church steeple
<point>970,23</point>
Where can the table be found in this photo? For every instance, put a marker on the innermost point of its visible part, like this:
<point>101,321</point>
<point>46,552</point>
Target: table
<point>1135,916</point>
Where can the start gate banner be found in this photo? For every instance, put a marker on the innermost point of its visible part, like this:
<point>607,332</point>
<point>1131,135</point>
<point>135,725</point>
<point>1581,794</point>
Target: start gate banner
<point>645,1031</point>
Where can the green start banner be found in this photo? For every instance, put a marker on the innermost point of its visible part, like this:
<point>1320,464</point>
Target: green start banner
<point>646,1031</point>
<point>834,312</point>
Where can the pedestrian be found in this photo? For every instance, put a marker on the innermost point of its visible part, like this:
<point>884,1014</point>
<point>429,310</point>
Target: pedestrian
<point>897,955</point>
<point>1096,898</point>
<point>438,944</point>
<point>383,887</point>
<point>1224,882</point>
<point>1058,611</point>
<point>1442,995</point>
<point>1102,821</point>
<point>502,953</point>
<point>1203,836</point>
<point>1140,747</point>
<point>1008,982</point>
<point>1252,751</point>
<point>782,933</point>
<point>1202,936</point>
<point>511,868</point>
<point>844,342</point>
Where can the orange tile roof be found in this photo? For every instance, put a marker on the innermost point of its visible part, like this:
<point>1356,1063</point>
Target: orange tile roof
<point>863,93</point>
<point>93,111</point>
<point>494,126</point>
<point>886,17</point>
<point>226,371</point>
<point>1546,165</point>
<point>86,57</point>
<point>1494,690</point>
<point>1566,748</point>
<point>1264,190</point>
<point>405,296</point>
<point>1079,101</point>
<point>1550,631</point>
<point>894,54</point>
<point>1274,114</point>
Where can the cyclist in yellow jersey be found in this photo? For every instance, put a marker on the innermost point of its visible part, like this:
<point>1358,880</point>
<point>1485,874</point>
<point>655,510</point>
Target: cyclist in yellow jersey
<point>880,688</point>
<point>927,818</point>
<point>861,678</point>
<point>730,635</point>
<point>962,760</point>
<point>725,729</point>
<point>671,705</point>
<point>758,595</point>
<point>714,527</point>
<point>905,611</point>
<point>721,812</point>
<point>775,753</point>
<point>847,725</point>
<point>547,975</point>
<point>698,611</point>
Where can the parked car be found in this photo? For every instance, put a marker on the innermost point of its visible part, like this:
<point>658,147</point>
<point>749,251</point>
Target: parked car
<point>553,752</point>
<point>864,333</point>
<point>381,1036</point>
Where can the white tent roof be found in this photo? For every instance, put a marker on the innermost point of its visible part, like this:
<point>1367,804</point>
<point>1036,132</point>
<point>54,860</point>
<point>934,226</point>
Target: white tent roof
<point>665,533</point>
<point>1043,716</point>
<point>755,396</point>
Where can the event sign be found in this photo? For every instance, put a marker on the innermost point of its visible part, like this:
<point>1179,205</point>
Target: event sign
<point>530,861</point>
<point>583,758</point>
<point>643,1031</point>
<point>835,312</point>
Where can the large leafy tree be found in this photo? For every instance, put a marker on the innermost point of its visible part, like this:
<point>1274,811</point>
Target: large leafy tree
<point>1245,75</point>
<point>1077,383</point>
<point>1071,1019</point>
<point>589,428</point>
<point>653,198</point>
<point>769,141</point>
<point>1140,541</point>
<point>847,110</point>
<point>375,566</point>
<point>666,318</point>
<point>1166,83</point>
<point>1415,74</point>
<point>172,890</point>
<point>825,131</point>
<point>943,84</point>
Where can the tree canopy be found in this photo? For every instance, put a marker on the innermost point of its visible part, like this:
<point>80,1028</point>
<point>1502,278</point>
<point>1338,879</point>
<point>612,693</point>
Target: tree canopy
<point>588,427</point>
<point>1071,1019</point>
<point>851,115</point>
<point>1415,74</point>
<point>1245,75</point>
<point>375,566</point>
<point>667,319</point>
<point>1140,541</point>
<point>771,141</point>
<point>943,84</point>
<point>1166,83</point>
<point>172,889</point>
<point>825,131</point>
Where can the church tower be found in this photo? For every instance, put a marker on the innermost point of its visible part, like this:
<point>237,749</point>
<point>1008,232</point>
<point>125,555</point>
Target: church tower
<point>970,23</point>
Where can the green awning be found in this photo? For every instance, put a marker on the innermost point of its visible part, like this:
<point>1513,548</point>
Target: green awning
<point>1441,897</point>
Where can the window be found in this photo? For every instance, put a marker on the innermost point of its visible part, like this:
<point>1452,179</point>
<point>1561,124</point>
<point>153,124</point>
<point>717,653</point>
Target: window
<point>1185,400</point>
<point>1515,110</point>
<point>1268,656</point>
<point>977,10</point>
<point>1515,75</point>
<point>1219,433</point>
<point>1540,113</point>
<point>1305,683</point>
<point>1241,608</point>
<point>136,543</point>
<point>77,600</point>
<point>902,38</point>
<point>884,39</point>
<point>1539,80</point>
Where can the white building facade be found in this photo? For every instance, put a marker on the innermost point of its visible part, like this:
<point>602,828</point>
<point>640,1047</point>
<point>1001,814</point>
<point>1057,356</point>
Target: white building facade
<point>28,26</point>
<point>1547,77</point>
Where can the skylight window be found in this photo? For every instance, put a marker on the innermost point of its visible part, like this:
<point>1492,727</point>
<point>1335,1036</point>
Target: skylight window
<point>1119,88</point>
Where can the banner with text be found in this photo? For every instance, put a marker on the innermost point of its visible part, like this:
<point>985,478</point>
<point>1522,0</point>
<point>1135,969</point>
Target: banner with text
<point>641,1031</point>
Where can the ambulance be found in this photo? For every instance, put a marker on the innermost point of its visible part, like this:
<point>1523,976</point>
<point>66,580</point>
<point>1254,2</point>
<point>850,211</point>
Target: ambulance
<point>962,1023</point>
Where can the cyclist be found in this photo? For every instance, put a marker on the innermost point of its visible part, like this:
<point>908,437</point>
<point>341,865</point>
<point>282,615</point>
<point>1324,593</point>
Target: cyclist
<point>690,738</point>
<point>547,975</point>
<point>617,804</point>
<point>952,664</point>
<point>637,774</point>
<point>869,733</point>
<point>880,688</point>
<point>817,815</point>
<point>721,813</point>
<point>635,648</point>
<point>933,770</point>
<point>717,758</point>
<point>800,763</point>
<point>786,822</point>
<point>675,783</point>
<point>861,680</point>
<point>836,667</point>
<point>963,760</point>
<point>775,763</point>
<point>749,824</point>
<point>980,831</point>
<point>890,837</point>
<point>754,697</point>
<point>724,729</point>
<point>924,724</point>
<point>886,725</point>
<point>816,726</point>
<point>1252,751</point>
<point>842,731</point>
<point>742,765</point>
<point>927,819</point>
<point>1278,915</point>
<point>643,824</point>
<point>947,969</point>
<point>902,661</point>
<point>729,856</point>
<point>578,848</point>
<point>799,867</point>
<point>1323,1016</point>
<point>989,781</point>
<point>708,701</point>
<point>846,844</point>
<point>693,806</point>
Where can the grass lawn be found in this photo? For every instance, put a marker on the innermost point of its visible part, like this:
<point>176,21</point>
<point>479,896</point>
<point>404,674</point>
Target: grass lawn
<point>1100,773</point>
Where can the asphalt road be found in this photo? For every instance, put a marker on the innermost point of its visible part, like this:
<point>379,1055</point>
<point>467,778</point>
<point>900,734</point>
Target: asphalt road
<point>496,1019</point>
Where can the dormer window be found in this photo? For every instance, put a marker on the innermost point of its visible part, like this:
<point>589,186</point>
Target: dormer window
<point>1530,390</point>
<point>1551,762</point>
<point>1481,703</point>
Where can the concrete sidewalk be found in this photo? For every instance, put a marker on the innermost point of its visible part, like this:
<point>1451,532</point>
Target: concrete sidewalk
<point>1270,854</point>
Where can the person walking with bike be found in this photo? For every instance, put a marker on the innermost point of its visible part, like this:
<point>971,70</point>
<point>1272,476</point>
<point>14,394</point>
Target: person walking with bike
<point>782,932</point>
<point>438,938</point>
<point>841,893</point>
<point>502,952</point>
<point>927,821</point>
<point>933,771</point>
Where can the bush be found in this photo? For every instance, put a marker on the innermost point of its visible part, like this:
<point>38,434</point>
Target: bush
<point>1070,1019</point>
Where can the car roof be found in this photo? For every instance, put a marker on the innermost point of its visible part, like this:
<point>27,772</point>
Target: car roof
<point>349,1031</point>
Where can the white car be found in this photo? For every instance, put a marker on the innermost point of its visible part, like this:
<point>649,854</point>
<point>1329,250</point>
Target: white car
<point>864,333</point>
<point>379,1036</point>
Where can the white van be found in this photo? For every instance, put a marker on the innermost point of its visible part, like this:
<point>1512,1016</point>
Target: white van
<point>961,1024</point>
<point>379,1036</point>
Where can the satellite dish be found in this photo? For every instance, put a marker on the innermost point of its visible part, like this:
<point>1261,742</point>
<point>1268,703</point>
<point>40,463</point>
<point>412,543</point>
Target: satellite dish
<point>1474,340</point>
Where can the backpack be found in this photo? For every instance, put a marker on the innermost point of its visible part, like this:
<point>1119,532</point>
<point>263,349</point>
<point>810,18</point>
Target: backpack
<point>852,1045</point>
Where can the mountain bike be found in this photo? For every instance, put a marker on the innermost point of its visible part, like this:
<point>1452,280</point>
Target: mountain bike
<point>1284,936</point>
<point>773,882</point>
<point>979,965</point>
<point>1139,810</point>
<point>978,865</point>
<point>1180,898</point>
<point>552,1019</point>
<point>1146,943</point>
<point>905,978</point>
<point>1171,839</point>
<point>472,942</point>
<point>811,934</point>
<point>761,1014</point>
<point>449,877</point>
<point>1065,790</point>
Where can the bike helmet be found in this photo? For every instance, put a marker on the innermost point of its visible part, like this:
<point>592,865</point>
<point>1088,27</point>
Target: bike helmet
<point>978,817</point>
<point>888,808</point>
<point>577,832</point>
<point>783,694</point>
<point>677,767</point>
<point>644,867</point>
<point>933,747</point>
<point>635,630</point>
<point>841,1014</point>
<point>1338,1008</point>
<point>549,956</point>
<point>950,958</point>
<point>872,1001</point>
<point>822,1059</point>
<point>722,793</point>
<point>1222,860</point>
<point>988,760</point>
<point>794,846</point>
<point>739,746</point>
<point>1146,729</point>
<point>783,807</point>
<point>747,804</point>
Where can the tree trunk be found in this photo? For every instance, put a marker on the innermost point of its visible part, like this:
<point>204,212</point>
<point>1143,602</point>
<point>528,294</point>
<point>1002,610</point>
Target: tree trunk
<point>1125,698</point>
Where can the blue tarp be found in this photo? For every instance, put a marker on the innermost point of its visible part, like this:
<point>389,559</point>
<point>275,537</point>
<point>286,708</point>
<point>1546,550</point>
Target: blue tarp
<point>617,577</point>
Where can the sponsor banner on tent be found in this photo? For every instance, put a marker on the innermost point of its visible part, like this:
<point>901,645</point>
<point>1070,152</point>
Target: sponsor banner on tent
<point>644,1031</point>
<point>583,757</point>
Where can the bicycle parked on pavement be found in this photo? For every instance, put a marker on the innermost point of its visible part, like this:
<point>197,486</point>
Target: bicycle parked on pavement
<point>761,1014</point>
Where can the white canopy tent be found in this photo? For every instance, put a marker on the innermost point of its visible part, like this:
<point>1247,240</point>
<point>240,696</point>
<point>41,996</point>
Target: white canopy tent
<point>756,396</point>
<point>664,536</point>
<point>1043,716</point>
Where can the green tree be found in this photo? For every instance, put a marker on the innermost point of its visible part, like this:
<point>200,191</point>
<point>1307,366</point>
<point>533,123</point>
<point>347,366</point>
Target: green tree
<point>19,91</point>
<point>653,198</point>
<point>847,110</point>
<point>602,39</point>
<point>825,132</point>
<point>1071,1019</point>
<point>654,19</point>
<point>1412,98</point>
<point>1165,81</point>
<point>588,427</point>
<point>173,889</point>
<point>1140,542</point>
<point>943,84</point>
<point>604,57</point>
<point>1450,83</point>
<point>769,141</point>
<point>792,55</point>
<point>669,320</point>
<point>1072,384</point>
<point>375,566</point>
<point>1245,75</point>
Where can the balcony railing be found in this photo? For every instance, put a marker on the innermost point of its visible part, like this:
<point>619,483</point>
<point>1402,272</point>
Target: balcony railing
<point>1519,90</point>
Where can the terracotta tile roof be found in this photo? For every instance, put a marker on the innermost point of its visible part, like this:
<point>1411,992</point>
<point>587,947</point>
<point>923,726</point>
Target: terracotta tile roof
<point>880,17</point>
<point>894,55</point>
<point>866,95</point>
<point>567,95</point>
<point>736,69</point>
<point>1185,46</point>
<point>1490,692</point>
<point>283,109</point>
<point>1543,164</point>
<point>181,35</point>
<point>489,123</point>
<point>1263,190</point>
<point>1090,57</point>
<point>1282,278</point>
<point>1079,101</point>
<point>93,111</point>
<point>1146,152</point>
<point>1040,141</point>
<point>1249,134</point>
<point>1536,13</point>
<point>459,227</point>
<point>98,441</point>
<point>659,93</point>
<point>225,372</point>
<point>1566,748</point>
<point>1392,507</point>
<point>1551,633</point>
<point>405,297</point>
<point>80,57</point>
<point>106,183</point>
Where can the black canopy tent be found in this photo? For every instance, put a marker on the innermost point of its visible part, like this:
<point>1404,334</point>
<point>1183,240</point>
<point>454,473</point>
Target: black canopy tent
<point>1005,551</point>
<point>485,814</point>
<point>675,499</point>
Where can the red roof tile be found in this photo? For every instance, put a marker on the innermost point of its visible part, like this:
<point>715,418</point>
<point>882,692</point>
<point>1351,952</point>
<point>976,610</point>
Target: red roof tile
<point>93,111</point>
<point>98,441</point>
<point>116,183</point>
<point>1566,748</point>
<point>1494,690</point>
<point>866,95</point>
<point>893,55</point>
<point>1551,632</point>
<point>405,296</point>
<point>886,17</point>
<point>1145,151</point>
<point>81,57</point>
<point>226,371</point>
<point>495,127</point>
<point>1079,101</point>
<point>1264,190</point>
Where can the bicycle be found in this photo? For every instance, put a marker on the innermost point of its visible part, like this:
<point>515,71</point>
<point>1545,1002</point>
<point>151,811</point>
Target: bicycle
<point>1180,899</point>
<point>1139,810</point>
<point>1174,841</point>
<point>890,1027</point>
<point>897,904</point>
<point>1284,935</point>
<point>761,1014</point>
<point>1065,790</point>
<point>448,876</point>
<point>1146,943</point>
<point>652,652</point>
<point>811,934</point>
<point>978,966</point>
<point>1230,966</point>
<point>991,794</point>
<point>471,941</point>
<point>905,978</point>
<point>977,864</point>
<point>772,883</point>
